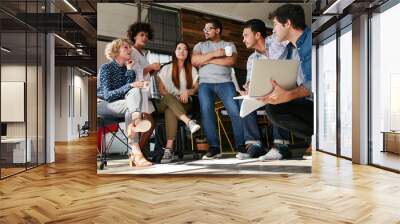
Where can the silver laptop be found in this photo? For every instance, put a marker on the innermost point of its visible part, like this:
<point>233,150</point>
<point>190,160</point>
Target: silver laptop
<point>283,71</point>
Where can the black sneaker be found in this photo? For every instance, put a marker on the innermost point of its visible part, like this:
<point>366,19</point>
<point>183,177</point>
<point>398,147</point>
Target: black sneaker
<point>168,156</point>
<point>242,148</point>
<point>255,150</point>
<point>212,154</point>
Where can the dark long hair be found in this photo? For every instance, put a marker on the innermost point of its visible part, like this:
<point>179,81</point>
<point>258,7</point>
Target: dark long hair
<point>187,65</point>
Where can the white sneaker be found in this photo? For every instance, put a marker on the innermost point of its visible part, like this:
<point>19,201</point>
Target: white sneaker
<point>308,154</point>
<point>193,126</point>
<point>273,154</point>
<point>242,155</point>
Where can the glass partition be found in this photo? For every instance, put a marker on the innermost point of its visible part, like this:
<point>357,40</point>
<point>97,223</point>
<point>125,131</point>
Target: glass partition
<point>22,64</point>
<point>385,89</point>
<point>327,96</point>
<point>346,93</point>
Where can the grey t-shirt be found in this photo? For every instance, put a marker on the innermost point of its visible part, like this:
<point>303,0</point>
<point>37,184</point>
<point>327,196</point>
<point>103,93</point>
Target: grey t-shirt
<point>212,73</point>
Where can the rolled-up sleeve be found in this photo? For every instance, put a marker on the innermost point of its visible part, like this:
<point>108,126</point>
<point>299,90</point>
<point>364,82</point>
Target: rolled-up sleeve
<point>306,70</point>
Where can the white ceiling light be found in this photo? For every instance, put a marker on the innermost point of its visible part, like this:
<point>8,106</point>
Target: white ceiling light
<point>65,41</point>
<point>5,50</point>
<point>70,5</point>
<point>338,6</point>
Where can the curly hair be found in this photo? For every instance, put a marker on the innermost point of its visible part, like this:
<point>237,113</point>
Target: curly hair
<point>138,27</point>
<point>112,48</point>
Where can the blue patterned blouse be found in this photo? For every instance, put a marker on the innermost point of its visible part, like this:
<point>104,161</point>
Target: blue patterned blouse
<point>113,81</point>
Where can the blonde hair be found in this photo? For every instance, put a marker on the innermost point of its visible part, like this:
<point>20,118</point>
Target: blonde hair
<point>112,48</point>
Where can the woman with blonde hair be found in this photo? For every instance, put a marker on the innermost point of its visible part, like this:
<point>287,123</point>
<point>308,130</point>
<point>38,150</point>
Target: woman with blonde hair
<point>120,95</point>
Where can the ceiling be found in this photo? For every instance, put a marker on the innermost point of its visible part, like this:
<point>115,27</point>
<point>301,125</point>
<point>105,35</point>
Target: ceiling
<point>80,27</point>
<point>237,11</point>
<point>77,27</point>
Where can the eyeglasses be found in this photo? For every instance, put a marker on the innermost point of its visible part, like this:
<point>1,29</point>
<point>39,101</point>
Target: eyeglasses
<point>207,29</point>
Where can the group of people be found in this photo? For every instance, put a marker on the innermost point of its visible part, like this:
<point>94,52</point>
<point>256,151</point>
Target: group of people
<point>122,87</point>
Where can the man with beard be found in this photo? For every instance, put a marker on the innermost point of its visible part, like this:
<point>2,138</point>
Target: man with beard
<point>215,59</point>
<point>255,37</point>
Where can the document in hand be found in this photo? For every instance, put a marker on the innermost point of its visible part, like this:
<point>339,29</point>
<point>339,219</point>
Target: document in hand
<point>265,70</point>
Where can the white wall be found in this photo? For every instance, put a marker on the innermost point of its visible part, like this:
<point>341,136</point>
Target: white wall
<point>79,117</point>
<point>101,58</point>
<point>17,73</point>
<point>33,126</point>
<point>113,19</point>
<point>70,83</point>
<point>61,107</point>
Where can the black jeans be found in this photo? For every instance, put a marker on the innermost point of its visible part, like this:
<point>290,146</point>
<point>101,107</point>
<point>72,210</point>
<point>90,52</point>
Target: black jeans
<point>296,116</point>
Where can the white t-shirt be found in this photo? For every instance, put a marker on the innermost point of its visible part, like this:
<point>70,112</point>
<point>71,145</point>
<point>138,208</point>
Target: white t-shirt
<point>140,63</point>
<point>165,76</point>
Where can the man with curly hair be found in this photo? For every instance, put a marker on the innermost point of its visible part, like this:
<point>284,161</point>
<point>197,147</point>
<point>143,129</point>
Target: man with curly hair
<point>140,33</point>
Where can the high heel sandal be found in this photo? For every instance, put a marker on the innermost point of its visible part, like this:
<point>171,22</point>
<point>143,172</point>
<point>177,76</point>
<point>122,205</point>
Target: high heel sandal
<point>138,160</point>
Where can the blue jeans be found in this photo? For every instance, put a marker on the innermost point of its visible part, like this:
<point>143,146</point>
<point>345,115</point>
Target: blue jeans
<point>251,132</point>
<point>225,91</point>
<point>280,133</point>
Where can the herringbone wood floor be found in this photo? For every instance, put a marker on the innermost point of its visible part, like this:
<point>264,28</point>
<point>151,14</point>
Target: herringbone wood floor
<point>70,191</point>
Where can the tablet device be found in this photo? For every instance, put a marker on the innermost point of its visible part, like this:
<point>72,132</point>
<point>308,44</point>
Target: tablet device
<point>283,71</point>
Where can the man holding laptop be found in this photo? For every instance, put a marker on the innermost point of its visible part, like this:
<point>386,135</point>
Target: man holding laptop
<point>255,37</point>
<point>292,109</point>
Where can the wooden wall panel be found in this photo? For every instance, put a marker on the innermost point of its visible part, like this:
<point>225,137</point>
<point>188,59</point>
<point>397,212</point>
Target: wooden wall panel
<point>192,24</point>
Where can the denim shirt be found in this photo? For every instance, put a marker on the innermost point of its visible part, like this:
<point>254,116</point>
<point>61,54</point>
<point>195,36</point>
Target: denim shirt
<point>304,50</point>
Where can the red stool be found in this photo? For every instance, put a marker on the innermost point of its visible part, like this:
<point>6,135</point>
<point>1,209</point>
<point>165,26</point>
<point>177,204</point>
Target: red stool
<point>107,125</point>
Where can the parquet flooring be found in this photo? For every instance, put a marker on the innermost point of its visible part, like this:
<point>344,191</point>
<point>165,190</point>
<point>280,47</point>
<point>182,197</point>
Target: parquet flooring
<point>70,191</point>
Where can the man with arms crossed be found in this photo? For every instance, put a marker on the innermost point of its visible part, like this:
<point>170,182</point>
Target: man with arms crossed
<point>215,66</point>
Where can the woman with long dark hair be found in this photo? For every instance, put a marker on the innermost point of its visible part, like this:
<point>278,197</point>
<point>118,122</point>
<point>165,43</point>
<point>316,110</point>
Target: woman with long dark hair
<point>177,81</point>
